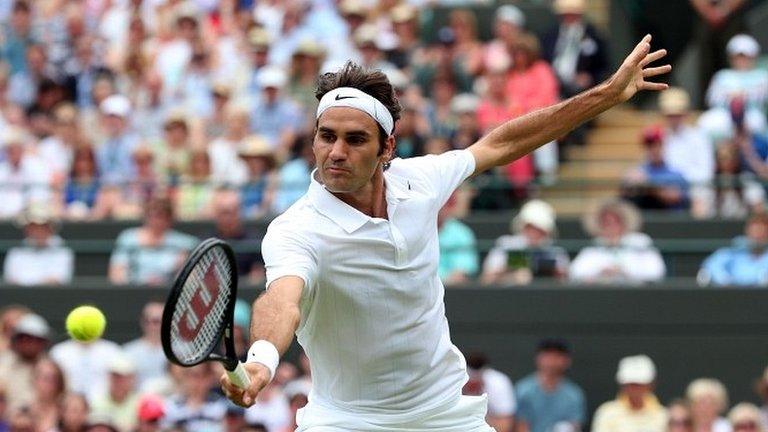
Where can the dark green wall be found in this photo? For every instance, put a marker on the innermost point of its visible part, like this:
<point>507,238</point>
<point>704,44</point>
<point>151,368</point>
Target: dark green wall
<point>689,332</point>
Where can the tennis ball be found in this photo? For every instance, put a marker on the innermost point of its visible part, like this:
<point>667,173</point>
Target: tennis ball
<point>85,323</point>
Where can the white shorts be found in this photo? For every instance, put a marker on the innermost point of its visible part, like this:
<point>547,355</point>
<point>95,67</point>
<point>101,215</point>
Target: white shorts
<point>467,415</point>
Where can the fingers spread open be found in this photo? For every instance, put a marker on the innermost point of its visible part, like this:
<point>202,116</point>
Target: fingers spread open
<point>647,85</point>
<point>652,57</point>
<point>650,72</point>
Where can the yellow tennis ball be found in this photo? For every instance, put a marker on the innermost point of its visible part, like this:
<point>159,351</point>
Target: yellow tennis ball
<point>85,323</point>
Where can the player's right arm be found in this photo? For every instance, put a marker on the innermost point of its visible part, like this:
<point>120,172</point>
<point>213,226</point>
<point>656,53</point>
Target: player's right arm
<point>276,317</point>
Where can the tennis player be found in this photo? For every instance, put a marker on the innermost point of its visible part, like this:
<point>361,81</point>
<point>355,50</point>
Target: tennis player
<point>352,266</point>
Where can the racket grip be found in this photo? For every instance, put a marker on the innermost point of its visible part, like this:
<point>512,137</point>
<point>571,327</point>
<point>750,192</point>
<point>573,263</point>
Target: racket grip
<point>239,376</point>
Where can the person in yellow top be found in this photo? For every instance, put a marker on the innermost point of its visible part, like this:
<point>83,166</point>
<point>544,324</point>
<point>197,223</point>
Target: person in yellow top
<point>636,409</point>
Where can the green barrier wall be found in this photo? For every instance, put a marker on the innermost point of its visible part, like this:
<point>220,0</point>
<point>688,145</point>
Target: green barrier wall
<point>689,332</point>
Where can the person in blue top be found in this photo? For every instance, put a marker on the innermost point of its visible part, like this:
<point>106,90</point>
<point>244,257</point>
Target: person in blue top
<point>745,262</point>
<point>654,184</point>
<point>546,399</point>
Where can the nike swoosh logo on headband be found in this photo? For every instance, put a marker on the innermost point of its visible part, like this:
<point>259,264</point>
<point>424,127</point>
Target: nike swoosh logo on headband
<point>340,97</point>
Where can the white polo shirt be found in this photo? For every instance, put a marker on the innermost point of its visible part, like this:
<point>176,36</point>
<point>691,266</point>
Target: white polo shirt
<point>372,315</point>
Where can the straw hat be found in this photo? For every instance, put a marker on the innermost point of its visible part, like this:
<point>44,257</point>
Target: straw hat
<point>626,211</point>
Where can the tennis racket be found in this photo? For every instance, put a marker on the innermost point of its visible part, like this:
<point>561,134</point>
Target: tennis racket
<point>200,310</point>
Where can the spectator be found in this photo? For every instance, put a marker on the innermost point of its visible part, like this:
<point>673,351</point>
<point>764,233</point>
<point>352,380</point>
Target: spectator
<point>227,168</point>
<point>509,22</point>
<point>547,399</point>
<point>636,408</point>
<point>653,184</point>
<point>761,388</point>
<point>194,408</point>
<point>29,342</point>
<point>241,328</point>
<point>529,253</point>
<point>259,42</point>
<point>531,84</point>
<point>146,352</point>
<point>402,49</point>
<point>305,67</point>
<point>82,187</point>
<point>746,417</point>
<point>174,55</point>
<point>575,49</point>
<point>114,153</point>
<point>48,386</point>
<point>275,116</point>
<point>743,80</point>
<point>26,87</point>
<point>271,409</point>
<point>173,151</point>
<point>458,246</point>
<point>9,316</point>
<point>709,400</point>
<point>56,151</point>
<point>151,412</point>
<point>3,410</point>
<point>127,200</point>
<point>410,141</point>
<point>23,177</point>
<point>620,254</point>
<point>194,198</point>
<point>230,227</point>
<point>297,393</point>
<point>467,130</point>
<point>679,416</point>
<point>745,262</point>
<point>17,37</point>
<point>43,259</point>
<point>74,413</point>
<point>294,176</point>
<point>367,38</point>
<point>85,364</point>
<point>256,193</point>
<point>120,402</point>
<point>214,123</point>
<point>688,151</point>
<point>152,253</point>
<point>234,419</point>
<point>467,52</point>
<point>498,388</point>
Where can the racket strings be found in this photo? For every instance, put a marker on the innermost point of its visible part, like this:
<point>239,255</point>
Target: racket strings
<point>208,281</point>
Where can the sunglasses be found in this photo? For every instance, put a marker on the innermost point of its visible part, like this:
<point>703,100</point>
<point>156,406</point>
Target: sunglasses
<point>680,422</point>
<point>745,426</point>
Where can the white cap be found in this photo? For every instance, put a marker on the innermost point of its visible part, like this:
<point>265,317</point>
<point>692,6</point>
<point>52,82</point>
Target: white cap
<point>537,213</point>
<point>397,78</point>
<point>272,76</point>
<point>510,14</point>
<point>743,44</point>
<point>120,364</point>
<point>465,103</point>
<point>33,325</point>
<point>637,369</point>
<point>116,105</point>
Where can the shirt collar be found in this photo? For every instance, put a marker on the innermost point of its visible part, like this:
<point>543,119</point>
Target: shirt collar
<point>347,217</point>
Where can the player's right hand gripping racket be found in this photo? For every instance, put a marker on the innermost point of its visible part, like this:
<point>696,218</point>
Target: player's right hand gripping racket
<point>200,310</point>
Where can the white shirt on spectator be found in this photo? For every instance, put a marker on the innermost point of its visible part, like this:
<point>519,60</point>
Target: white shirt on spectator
<point>226,166</point>
<point>636,260</point>
<point>149,360</point>
<point>689,151</point>
<point>728,83</point>
<point>85,365</point>
<point>33,265</point>
<point>500,391</point>
<point>373,319</point>
<point>274,413</point>
<point>29,182</point>
<point>56,155</point>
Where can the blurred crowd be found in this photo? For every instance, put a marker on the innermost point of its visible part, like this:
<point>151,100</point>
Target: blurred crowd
<point>101,386</point>
<point>106,103</point>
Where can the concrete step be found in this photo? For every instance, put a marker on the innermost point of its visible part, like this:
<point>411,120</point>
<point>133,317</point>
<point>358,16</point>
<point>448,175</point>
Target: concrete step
<point>594,152</point>
<point>595,170</point>
<point>616,136</point>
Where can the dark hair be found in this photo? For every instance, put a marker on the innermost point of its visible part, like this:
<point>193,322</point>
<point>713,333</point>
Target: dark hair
<point>554,345</point>
<point>373,82</point>
<point>477,360</point>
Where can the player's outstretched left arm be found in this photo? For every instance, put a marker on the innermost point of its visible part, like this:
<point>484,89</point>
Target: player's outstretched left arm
<point>524,134</point>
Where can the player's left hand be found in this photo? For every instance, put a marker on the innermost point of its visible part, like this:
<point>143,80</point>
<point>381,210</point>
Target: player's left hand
<point>634,71</point>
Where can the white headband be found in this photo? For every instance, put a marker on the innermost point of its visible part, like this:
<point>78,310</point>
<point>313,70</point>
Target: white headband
<point>353,98</point>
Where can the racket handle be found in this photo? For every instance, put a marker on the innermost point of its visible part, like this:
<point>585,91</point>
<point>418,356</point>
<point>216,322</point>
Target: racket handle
<point>239,376</point>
